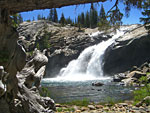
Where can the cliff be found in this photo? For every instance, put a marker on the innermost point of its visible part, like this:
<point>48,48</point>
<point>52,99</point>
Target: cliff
<point>132,49</point>
<point>65,43</point>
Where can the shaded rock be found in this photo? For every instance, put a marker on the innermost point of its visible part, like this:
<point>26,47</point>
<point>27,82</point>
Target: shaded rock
<point>97,84</point>
<point>129,50</point>
<point>99,106</point>
<point>22,6</point>
<point>2,88</point>
<point>28,97</point>
<point>135,68</point>
<point>4,106</point>
<point>34,70</point>
<point>123,104</point>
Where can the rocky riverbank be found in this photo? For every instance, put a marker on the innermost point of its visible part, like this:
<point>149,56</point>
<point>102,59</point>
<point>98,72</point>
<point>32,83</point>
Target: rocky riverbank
<point>132,77</point>
<point>126,107</point>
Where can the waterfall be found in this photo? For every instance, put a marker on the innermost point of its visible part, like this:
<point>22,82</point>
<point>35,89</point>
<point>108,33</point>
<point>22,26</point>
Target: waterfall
<point>88,66</point>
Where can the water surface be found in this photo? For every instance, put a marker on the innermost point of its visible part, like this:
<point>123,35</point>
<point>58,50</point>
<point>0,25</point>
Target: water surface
<point>67,91</point>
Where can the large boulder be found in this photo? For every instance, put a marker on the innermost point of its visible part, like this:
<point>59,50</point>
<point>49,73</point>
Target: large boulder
<point>129,50</point>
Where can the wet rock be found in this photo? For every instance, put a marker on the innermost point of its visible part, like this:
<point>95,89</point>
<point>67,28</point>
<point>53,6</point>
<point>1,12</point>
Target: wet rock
<point>119,77</point>
<point>97,84</point>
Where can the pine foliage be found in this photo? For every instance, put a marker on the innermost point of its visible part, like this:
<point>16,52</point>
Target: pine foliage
<point>146,14</point>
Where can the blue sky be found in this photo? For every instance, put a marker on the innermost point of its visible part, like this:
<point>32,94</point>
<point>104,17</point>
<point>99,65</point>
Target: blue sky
<point>73,12</point>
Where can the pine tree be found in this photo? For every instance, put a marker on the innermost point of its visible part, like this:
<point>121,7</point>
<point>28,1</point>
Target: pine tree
<point>33,19</point>
<point>87,20</point>
<point>93,17</point>
<point>51,15</point>
<point>62,20</point>
<point>55,16</point>
<point>39,17</point>
<point>79,19</point>
<point>102,15</point>
<point>146,14</point>
<point>68,21</point>
<point>82,19</point>
<point>103,23</point>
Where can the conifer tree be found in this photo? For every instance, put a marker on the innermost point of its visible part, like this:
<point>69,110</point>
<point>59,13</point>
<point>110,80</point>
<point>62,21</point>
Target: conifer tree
<point>69,21</point>
<point>93,17</point>
<point>62,20</point>
<point>82,19</point>
<point>146,14</point>
<point>87,20</point>
<point>51,15</point>
<point>102,15</point>
<point>39,17</point>
<point>103,23</point>
<point>55,16</point>
<point>33,19</point>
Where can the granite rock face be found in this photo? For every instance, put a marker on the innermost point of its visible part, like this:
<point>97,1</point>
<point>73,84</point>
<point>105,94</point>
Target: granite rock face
<point>15,96</point>
<point>132,49</point>
<point>66,43</point>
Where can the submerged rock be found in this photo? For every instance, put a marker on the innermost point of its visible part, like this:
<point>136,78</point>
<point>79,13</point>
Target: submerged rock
<point>97,84</point>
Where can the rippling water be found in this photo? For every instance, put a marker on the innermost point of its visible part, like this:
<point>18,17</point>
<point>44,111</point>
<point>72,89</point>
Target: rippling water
<point>66,91</point>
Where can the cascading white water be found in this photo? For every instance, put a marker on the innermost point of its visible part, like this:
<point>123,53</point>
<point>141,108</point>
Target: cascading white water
<point>88,66</point>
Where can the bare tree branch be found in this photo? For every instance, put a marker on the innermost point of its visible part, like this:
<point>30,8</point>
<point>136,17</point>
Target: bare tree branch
<point>115,5</point>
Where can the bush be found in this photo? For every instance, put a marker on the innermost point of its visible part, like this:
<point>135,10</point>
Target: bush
<point>44,92</point>
<point>84,102</point>
<point>140,94</point>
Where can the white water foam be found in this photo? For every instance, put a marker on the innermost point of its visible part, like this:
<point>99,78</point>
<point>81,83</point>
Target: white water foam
<point>88,66</point>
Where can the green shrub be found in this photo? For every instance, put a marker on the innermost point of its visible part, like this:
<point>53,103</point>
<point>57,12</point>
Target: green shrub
<point>144,91</point>
<point>44,92</point>
<point>110,101</point>
<point>140,94</point>
<point>84,102</point>
<point>65,110</point>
